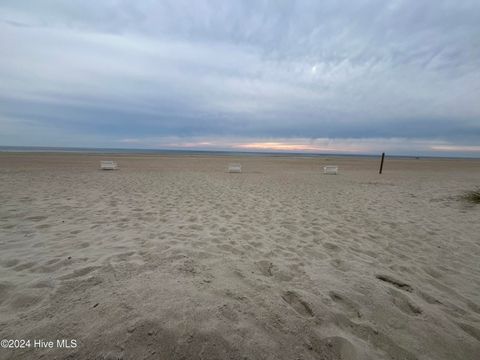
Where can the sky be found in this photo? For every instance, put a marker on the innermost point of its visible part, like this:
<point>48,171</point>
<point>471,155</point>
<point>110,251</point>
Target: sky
<point>334,76</point>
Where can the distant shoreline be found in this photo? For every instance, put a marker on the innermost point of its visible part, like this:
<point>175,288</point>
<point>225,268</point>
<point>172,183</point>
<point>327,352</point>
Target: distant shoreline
<point>119,151</point>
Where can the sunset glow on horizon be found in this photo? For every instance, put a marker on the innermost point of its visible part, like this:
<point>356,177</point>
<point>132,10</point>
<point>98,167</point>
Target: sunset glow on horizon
<point>278,146</point>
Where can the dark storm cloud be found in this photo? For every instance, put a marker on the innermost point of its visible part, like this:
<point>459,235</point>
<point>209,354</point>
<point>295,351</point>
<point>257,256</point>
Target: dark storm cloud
<point>101,72</point>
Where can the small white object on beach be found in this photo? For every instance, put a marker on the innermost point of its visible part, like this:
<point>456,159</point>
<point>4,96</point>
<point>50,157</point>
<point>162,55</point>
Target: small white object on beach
<point>330,170</point>
<point>234,168</point>
<point>108,165</point>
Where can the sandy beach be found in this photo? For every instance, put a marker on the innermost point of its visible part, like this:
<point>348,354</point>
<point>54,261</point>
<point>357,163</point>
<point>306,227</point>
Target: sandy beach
<point>171,257</point>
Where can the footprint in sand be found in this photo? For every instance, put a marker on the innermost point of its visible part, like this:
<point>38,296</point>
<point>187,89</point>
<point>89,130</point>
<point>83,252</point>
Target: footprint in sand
<point>265,267</point>
<point>432,272</point>
<point>228,312</point>
<point>25,266</point>
<point>473,306</point>
<point>395,282</point>
<point>5,288</point>
<point>37,218</point>
<point>24,300</point>
<point>230,249</point>
<point>349,306</point>
<point>10,263</point>
<point>470,330</point>
<point>428,298</point>
<point>79,272</point>
<point>376,338</point>
<point>331,247</point>
<point>334,348</point>
<point>339,264</point>
<point>404,304</point>
<point>296,302</point>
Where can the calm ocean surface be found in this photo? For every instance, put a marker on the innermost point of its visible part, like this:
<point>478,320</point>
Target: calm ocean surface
<point>161,151</point>
<point>44,149</point>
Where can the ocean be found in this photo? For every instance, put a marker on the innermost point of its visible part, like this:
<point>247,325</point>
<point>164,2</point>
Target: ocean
<point>87,150</point>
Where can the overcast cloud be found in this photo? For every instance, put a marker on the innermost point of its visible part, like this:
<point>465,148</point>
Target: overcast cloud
<point>338,76</point>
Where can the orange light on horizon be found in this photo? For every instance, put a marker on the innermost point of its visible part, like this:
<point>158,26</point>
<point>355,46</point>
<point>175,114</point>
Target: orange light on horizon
<point>189,144</point>
<point>456,148</point>
<point>279,146</point>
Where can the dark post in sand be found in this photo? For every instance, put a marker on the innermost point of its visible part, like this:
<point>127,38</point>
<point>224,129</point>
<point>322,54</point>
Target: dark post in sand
<point>381,163</point>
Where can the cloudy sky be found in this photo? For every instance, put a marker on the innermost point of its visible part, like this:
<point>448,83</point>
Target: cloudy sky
<point>353,76</point>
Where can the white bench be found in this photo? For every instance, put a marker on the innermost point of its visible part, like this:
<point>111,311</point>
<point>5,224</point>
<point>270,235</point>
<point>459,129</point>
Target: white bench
<point>108,165</point>
<point>330,170</point>
<point>234,168</point>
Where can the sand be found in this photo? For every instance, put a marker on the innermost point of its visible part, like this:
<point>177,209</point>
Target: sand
<point>171,257</point>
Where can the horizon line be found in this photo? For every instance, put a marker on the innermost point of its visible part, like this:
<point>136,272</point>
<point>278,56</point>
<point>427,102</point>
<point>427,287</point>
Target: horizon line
<point>85,149</point>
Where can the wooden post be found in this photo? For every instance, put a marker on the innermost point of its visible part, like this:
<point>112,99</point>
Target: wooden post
<point>381,163</point>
